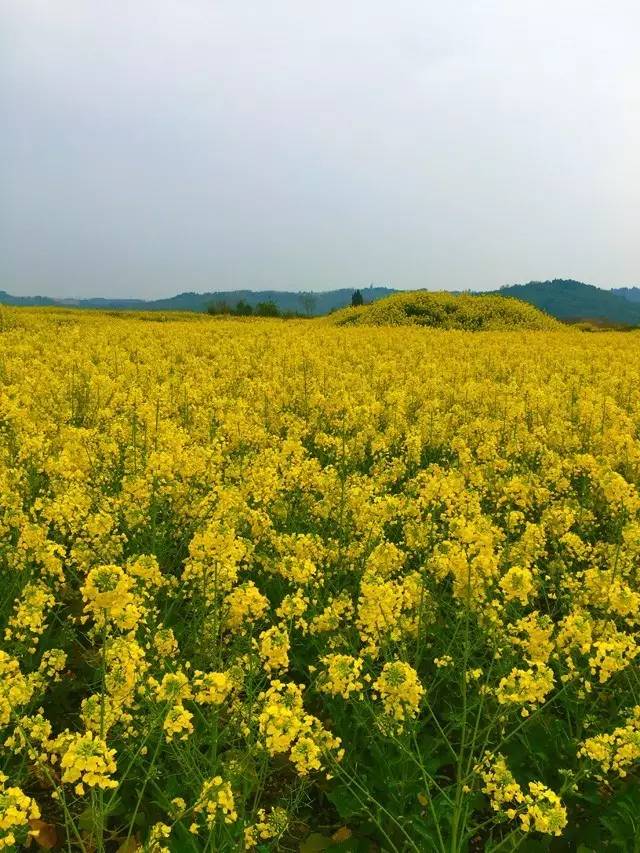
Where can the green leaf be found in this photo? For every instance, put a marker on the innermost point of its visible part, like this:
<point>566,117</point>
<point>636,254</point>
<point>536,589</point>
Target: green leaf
<point>347,805</point>
<point>315,843</point>
<point>351,845</point>
<point>87,819</point>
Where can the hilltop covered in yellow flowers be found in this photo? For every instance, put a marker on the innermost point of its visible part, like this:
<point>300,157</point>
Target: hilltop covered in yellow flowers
<point>443,310</point>
<point>294,586</point>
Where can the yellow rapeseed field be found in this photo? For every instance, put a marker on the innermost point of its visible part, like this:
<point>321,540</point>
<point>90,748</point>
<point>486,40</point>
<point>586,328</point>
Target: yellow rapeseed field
<point>293,586</point>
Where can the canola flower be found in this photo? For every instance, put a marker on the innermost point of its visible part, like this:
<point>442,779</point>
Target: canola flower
<point>342,675</point>
<point>618,750</point>
<point>215,800</point>
<point>540,809</point>
<point>265,581</point>
<point>274,648</point>
<point>86,760</point>
<point>399,690</point>
<point>268,826</point>
<point>16,812</point>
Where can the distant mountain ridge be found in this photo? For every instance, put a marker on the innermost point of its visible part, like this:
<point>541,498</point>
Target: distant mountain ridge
<point>304,301</point>
<point>630,293</point>
<point>567,299</point>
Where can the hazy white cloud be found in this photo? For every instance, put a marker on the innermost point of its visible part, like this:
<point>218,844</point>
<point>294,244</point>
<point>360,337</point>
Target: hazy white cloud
<point>166,145</point>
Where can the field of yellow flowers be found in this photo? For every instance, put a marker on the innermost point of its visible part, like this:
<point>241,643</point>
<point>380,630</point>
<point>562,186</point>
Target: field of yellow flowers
<point>291,586</point>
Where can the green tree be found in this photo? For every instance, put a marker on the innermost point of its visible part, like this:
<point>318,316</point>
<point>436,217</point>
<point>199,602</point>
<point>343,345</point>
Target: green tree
<point>357,299</point>
<point>243,309</point>
<point>267,309</point>
<point>308,302</point>
<point>218,307</point>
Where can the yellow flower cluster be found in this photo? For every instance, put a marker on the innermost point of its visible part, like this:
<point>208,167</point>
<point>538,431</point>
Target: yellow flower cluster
<point>540,810</point>
<point>244,603</point>
<point>158,834</point>
<point>29,619</point>
<point>545,812</point>
<point>400,690</point>
<point>177,723</point>
<point>342,675</point>
<point>274,648</point>
<point>15,689</point>
<point>518,584</point>
<point>267,826</point>
<point>86,760</point>
<point>215,800</point>
<point>526,687</point>
<point>16,811</point>
<point>108,597</point>
<point>618,750</point>
<point>211,688</point>
<point>286,728</point>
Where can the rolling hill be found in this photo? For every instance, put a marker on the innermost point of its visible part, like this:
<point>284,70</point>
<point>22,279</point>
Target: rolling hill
<point>572,300</point>
<point>310,303</point>
<point>565,299</point>
<point>447,311</point>
<point>630,293</point>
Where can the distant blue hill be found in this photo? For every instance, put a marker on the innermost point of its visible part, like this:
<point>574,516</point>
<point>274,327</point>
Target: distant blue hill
<point>571,300</point>
<point>630,293</point>
<point>304,302</point>
<point>565,299</point>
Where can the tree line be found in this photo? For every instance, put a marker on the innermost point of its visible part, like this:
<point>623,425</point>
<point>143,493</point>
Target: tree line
<point>242,308</point>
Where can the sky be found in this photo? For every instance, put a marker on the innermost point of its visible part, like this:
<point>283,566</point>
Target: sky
<point>158,146</point>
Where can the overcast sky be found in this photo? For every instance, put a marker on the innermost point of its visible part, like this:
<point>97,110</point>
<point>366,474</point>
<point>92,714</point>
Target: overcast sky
<point>149,147</point>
